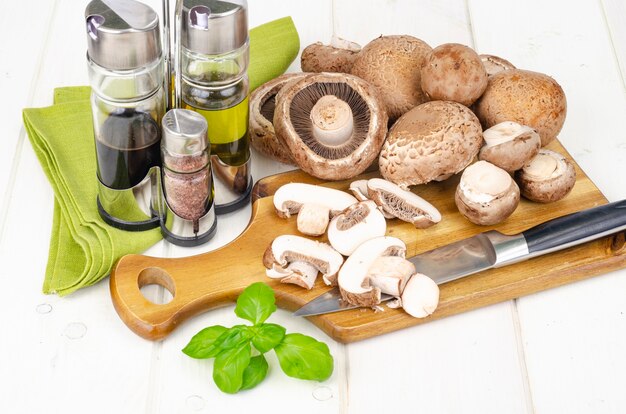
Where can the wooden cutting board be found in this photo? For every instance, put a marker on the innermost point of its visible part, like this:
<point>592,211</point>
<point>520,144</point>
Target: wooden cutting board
<point>214,279</point>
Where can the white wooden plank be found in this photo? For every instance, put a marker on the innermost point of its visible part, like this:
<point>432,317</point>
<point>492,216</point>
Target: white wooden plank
<point>431,368</point>
<point>573,336</point>
<point>614,12</point>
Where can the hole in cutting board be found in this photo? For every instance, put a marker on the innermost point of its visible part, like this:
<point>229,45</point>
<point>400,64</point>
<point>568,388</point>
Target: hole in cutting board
<point>150,280</point>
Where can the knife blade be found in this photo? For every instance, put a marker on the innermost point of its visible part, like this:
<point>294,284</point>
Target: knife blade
<point>493,249</point>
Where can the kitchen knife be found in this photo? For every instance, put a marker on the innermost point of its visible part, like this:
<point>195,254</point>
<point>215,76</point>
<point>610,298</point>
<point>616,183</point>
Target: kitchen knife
<point>494,249</point>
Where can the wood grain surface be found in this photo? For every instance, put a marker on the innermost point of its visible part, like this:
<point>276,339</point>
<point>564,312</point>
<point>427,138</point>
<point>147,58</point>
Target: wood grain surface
<point>214,279</point>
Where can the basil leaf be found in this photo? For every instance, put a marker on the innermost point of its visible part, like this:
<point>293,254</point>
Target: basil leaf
<point>303,357</point>
<point>203,344</point>
<point>234,336</point>
<point>256,303</point>
<point>229,367</point>
<point>267,336</point>
<point>255,372</point>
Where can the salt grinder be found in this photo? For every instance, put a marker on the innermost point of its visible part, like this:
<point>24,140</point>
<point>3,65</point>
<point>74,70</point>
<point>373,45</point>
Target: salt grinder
<point>211,79</point>
<point>188,217</point>
<point>126,72</point>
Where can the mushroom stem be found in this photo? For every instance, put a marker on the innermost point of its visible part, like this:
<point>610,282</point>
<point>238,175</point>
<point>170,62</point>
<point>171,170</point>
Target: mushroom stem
<point>332,121</point>
<point>313,219</point>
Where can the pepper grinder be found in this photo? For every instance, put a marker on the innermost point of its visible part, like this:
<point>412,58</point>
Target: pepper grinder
<point>211,79</point>
<point>126,68</point>
<point>188,217</point>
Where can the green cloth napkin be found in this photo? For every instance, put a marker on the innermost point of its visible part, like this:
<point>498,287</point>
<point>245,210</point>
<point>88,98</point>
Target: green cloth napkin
<point>83,249</point>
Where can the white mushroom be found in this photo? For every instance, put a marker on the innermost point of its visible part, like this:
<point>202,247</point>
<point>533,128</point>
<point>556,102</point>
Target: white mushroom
<point>321,203</point>
<point>403,204</point>
<point>509,145</point>
<point>420,296</point>
<point>355,225</point>
<point>354,279</point>
<point>360,191</point>
<point>486,194</point>
<point>548,177</point>
<point>390,274</point>
<point>293,258</point>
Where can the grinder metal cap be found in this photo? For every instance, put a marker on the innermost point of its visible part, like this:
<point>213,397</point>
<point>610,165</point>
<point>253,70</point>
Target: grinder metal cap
<point>122,34</point>
<point>214,27</point>
<point>184,132</point>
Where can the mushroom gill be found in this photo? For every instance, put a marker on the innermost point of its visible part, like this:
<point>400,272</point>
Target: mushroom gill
<point>300,114</point>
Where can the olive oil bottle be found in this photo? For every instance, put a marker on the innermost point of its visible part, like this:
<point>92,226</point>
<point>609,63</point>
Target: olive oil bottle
<point>211,79</point>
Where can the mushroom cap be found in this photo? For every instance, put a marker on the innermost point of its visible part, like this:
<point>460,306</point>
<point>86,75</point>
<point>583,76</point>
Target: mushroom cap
<point>355,225</point>
<point>420,296</point>
<point>339,56</point>
<point>431,141</point>
<point>486,194</point>
<point>526,97</point>
<point>392,64</point>
<point>403,204</point>
<point>353,279</point>
<point>546,188</point>
<point>290,198</point>
<point>262,103</point>
<point>509,145</point>
<point>293,125</point>
<point>453,72</point>
<point>494,64</point>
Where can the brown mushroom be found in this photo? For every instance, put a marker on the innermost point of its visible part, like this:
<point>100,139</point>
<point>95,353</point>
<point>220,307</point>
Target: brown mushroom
<point>494,64</point>
<point>392,64</point>
<point>334,124</point>
<point>548,177</point>
<point>262,103</point>
<point>339,56</point>
<point>486,194</point>
<point>430,142</point>
<point>453,72</point>
<point>525,97</point>
<point>509,145</point>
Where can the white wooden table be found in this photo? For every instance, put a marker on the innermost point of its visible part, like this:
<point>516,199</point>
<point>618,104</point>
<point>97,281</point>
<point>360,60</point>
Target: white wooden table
<point>560,351</point>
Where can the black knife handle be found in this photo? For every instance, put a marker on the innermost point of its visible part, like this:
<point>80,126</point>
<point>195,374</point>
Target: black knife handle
<point>577,228</point>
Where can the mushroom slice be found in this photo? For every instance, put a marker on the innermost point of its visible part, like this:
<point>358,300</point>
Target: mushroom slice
<point>356,224</point>
<point>420,296</point>
<point>339,56</point>
<point>354,282</point>
<point>262,105</point>
<point>509,145</point>
<point>390,274</point>
<point>494,64</point>
<point>317,202</point>
<point>360,191</point>
<point>334,124</point>
<point>548,177</point>
<point>403,204</point>
<point>486,194</point>
<point>295,257</point>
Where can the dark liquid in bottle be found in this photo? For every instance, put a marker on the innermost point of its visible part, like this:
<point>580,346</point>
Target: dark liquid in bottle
<point>127,147</point>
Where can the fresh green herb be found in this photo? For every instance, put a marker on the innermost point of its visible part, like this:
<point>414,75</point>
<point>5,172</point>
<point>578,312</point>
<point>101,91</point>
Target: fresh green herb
<point>238,351</point>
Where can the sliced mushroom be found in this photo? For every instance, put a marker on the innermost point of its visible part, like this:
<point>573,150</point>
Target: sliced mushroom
<point>339,56</point>
<point>494,64</point>
<point>403,204</point>
<point>390,274</point>
<point>295,256</point>
<point>509,145</point>
<point>354,281</point>
<point>526,97</point>
<point>391,64</point>
<point>356,224</point>
<point>430,142</point>
<point>359,190</point>
<point>319,204</point>
<point>453,72</point>
<point>486,194</point>
<point>420,296</point>
<point>262,104</point>
<point>334,124</point>
<point>548,177</point>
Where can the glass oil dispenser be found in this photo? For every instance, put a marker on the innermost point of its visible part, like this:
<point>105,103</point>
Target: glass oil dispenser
<point>126,68</point>
<point>211,79</point>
